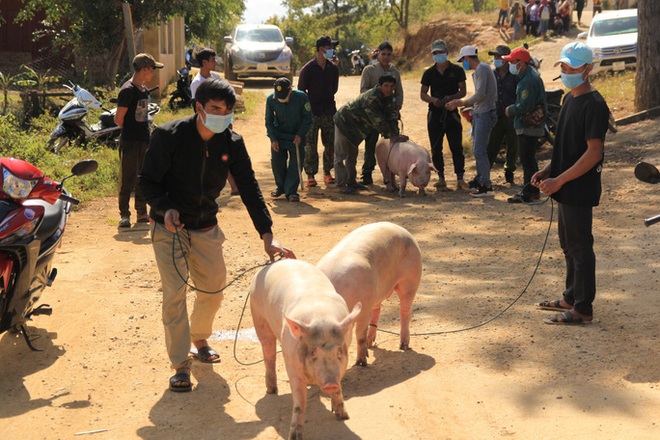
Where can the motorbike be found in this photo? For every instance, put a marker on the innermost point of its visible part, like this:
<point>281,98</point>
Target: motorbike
<point>357,62</point>
<point>182,97</point>
<point>73,126</point>
<point>648,173</point>
<point>33,214</point>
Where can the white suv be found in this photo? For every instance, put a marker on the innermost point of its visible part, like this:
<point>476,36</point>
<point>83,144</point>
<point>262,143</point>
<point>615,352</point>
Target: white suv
<point>257,51</point>
<point>613,38</point>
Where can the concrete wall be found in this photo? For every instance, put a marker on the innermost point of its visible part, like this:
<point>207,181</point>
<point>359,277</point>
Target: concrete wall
<point>167,44</point>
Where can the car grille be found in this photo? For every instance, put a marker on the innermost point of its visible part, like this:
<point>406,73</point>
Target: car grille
<point>262,56</point>
<point>620,51</point>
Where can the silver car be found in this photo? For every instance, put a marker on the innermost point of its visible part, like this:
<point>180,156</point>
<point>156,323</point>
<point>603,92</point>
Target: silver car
<point>257,51</point>
<point>613,38</point>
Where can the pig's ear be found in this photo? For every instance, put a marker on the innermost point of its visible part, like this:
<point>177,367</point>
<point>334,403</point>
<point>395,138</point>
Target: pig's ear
<point>433,168</point>
<point>411,169</point>
<point>348,321</point>
<point>297,328</point>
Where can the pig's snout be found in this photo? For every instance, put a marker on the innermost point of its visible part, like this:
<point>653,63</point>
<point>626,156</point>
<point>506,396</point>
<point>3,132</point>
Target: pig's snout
<point>330,388</point>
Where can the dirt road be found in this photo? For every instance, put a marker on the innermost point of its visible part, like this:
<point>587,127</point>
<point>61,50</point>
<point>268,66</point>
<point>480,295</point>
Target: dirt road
<point>104,367</point>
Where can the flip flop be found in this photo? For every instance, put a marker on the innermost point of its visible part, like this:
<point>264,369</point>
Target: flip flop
<point>180,377</point>
<point>551,305</point>
<point>205,354</point>
<point>566,318</point>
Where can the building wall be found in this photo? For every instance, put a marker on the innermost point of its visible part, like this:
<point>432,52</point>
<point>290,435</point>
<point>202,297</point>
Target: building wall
<point>167,44</point>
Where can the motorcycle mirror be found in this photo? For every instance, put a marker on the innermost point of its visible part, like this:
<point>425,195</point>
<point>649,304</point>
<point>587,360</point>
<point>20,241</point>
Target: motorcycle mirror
<point>647,173</point>
<point>85,167</point>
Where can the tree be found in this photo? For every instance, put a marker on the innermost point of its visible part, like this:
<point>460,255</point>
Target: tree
<point>400,10</point>
<point>96,28</point>
<point>647,86</point>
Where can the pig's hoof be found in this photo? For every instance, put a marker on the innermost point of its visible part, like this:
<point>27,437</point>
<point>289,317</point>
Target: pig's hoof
<point>296,433</point>
<point>361,363</point>
<point>401,195</point>
<point>271,390</point>
<point>341,415</point>
<point>404,346</point>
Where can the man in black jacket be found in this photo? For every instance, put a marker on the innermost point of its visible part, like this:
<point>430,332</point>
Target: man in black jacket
<point>184,170</point>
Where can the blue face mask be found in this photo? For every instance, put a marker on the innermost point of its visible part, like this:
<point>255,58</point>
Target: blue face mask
<point>218,123</point>
<point>513,69</point>
<point>498,63</point>
<point>440,58</point>
<point>572,80</point>
<point>329,53</point>
<point>466,65</point>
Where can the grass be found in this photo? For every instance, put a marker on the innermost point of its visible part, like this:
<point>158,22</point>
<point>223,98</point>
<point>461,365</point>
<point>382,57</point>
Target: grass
<point>618,89</point>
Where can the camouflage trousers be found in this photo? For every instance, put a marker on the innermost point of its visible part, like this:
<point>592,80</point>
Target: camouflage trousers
<point>327,127</point>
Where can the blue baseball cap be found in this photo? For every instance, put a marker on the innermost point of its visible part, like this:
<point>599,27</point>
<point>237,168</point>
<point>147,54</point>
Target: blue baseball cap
<point>576,54</point>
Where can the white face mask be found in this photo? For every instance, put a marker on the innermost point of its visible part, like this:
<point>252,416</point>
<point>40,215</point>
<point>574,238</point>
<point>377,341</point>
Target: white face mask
<point>218,123</point>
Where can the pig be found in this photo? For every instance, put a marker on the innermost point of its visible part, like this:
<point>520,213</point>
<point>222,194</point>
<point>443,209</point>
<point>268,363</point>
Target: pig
<point>407,160</point>
<point>365,267</point>
<point>294,302</point>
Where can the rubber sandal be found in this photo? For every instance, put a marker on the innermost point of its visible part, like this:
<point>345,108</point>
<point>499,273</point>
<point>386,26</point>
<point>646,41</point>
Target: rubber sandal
<point>180,377</point>
<point>205,353</point>
<point>548,305</point>
<point>566,318</point>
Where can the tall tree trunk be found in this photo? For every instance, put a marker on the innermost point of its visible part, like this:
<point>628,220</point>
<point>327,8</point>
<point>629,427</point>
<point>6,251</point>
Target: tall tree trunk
<point>647,85</point>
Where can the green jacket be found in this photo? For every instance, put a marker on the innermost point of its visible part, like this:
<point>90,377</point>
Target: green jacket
<point>286,120</point>
<point>530,92</point>
<point>369,111</point>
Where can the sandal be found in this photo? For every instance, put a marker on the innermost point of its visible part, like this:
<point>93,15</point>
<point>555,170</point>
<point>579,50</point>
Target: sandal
<point>552,305</point>
<point>293,198</point>
<point>566,318</point>
<point>206,353</point>
<point>180,378</point>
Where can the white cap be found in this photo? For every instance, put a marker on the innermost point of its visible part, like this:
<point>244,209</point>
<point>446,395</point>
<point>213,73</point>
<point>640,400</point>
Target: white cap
<point>467,51</point>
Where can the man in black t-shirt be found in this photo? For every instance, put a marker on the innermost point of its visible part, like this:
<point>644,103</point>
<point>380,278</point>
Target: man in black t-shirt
<point>133,118</point>
<point>572,178</point>
<point>446,82</point>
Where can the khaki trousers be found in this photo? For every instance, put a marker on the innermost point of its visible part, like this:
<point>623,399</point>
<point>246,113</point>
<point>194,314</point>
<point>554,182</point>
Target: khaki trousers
<point>206,267</point>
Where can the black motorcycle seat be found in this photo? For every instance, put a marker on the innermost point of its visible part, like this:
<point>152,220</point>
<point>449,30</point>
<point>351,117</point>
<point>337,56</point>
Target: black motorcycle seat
<point>53,217</point>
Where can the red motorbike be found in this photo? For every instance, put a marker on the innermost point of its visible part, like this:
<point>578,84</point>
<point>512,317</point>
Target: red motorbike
<point>33,213</point>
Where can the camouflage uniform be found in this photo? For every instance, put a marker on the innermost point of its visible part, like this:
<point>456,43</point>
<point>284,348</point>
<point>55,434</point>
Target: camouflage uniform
<point>354,122</point>
<point>327,127</point>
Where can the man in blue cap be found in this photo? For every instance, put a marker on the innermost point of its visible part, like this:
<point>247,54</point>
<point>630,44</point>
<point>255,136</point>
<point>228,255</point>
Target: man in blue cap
<point>572,178</point>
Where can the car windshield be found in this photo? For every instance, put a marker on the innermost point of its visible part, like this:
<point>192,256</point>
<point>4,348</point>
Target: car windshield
<point>614,26</point>
<point>259,35</point>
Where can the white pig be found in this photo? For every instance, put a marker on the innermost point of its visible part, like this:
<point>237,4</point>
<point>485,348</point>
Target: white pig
<point>368,265</point>
<point>406,160</point>
<point>294,302</point>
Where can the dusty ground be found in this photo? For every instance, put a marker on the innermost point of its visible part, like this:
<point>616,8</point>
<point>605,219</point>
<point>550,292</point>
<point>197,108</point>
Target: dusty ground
<point>104,366</point>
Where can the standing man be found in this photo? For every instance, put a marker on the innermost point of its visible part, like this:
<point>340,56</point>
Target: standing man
<point>483,104</point>
<point>206,58</point>
<point>372,110</point>
<point>503,129</point>
<point>133,117</point>
<point>572,178</point>
<point>288,118</point>
<point>446,82</point>
<point>370,76</point>
<point>319,78</point>
<point>530,94</point>
<point>184,171</point>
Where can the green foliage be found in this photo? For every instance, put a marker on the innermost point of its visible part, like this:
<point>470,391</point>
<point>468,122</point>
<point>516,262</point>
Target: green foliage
<point>6,81</point>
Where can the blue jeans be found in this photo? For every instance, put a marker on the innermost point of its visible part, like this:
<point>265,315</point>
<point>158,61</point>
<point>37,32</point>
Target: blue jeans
<point>482,124</point>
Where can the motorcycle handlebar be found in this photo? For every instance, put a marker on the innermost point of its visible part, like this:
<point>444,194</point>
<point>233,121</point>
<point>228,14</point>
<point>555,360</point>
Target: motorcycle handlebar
<point>69,199</point>
<point>651,221</point>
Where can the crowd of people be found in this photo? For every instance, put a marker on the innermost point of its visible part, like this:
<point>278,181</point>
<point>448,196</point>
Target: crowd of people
<point>539,18</point>
<point>188,162</point>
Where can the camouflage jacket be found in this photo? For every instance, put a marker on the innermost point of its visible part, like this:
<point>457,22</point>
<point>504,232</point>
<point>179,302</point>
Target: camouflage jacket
<point>369,111</point>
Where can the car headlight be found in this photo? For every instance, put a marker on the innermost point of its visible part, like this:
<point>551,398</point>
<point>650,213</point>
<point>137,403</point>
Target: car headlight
<point>235,50</point>
<point>15,187</point>
<point>285,54</point>
<point>598,52</point>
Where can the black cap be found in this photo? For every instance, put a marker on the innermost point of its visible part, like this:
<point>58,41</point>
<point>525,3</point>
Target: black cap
<point>326,41</point>
<point>500,50</point>
<point>282,87</point>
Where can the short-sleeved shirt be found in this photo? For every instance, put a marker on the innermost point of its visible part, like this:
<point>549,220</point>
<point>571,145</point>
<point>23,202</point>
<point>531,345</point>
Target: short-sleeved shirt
<point>581,118</point>
<point>443,84</point>
<point>320,84</point>
<point>200,79</point>
<point>136,120</point>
